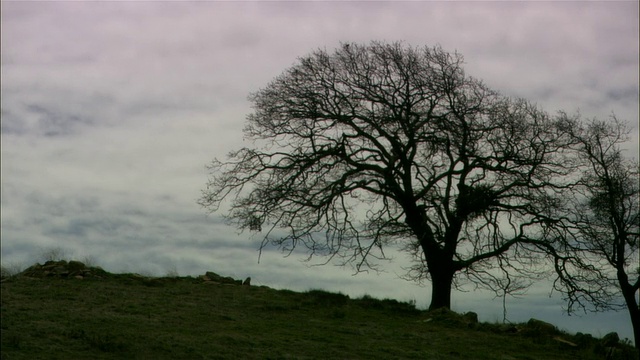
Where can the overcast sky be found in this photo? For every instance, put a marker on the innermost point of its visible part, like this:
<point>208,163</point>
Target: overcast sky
<point>111,110</point>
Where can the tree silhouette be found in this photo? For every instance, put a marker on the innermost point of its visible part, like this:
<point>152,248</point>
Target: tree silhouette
<point>599,258</point>
<point>389,146</point>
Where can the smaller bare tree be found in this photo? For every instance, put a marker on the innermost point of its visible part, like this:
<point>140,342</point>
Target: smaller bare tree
<point>598,259</point>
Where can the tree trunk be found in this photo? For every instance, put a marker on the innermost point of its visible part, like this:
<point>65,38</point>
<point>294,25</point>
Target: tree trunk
<point>634,311</point>
<point>629,294</point>
<point>441,284</point>
<point>441,268</point>
<point>439,260</point>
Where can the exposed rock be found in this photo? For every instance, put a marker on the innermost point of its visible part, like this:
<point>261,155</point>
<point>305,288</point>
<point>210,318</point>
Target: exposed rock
<point>212,278</point>
<point>63,269</point>
<point>74,266</point>
<point>221,279</point>
<point>611,339</point>
<point>470,317</point>
<point>447,317</point>
<point>541,327</point>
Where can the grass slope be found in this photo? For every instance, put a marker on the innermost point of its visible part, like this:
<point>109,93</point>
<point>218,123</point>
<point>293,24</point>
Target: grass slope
<point>127,316</point>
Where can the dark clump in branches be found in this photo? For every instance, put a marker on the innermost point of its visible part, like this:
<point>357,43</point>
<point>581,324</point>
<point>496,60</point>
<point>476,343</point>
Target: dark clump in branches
<point>383,146</point>
<point>475,201</point>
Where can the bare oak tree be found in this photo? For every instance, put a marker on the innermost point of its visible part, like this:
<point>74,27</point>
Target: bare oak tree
<point>385,145</point>
<point>599,261</point>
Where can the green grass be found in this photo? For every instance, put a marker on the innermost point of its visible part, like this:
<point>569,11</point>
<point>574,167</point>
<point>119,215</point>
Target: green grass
<point>126,316</point>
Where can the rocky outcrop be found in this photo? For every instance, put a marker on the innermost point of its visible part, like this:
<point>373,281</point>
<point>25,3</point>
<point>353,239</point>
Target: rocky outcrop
<point>541,327</point>
<point>63,269</point>
<point>212,278</point>
<point>78,270</point>
<point>447,317</point>
<point>470,317</point>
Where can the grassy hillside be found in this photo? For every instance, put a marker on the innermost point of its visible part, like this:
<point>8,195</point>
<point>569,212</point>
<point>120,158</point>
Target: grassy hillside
<point>68,311</point>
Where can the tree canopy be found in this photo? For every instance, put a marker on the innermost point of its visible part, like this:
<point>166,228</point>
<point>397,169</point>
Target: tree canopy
<point>385,145</point>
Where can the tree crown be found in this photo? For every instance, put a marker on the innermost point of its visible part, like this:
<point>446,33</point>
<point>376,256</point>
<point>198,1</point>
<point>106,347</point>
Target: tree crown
<point>381,144</point>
